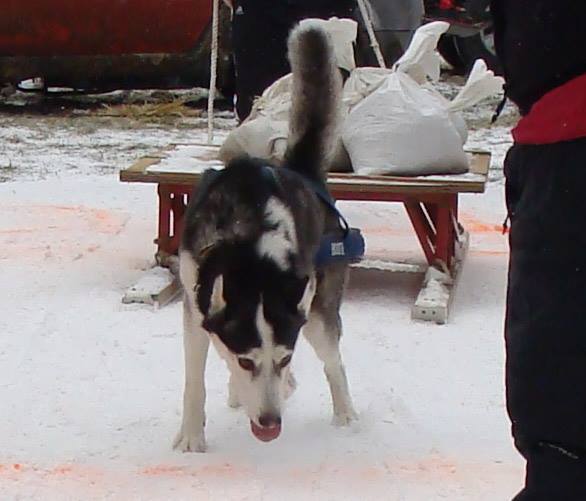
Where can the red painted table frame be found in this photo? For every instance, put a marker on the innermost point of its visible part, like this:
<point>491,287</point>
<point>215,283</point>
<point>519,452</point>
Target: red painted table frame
<point>434,217</point>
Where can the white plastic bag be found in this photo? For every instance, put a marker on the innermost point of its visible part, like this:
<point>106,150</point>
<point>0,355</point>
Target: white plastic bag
<point>421,59</point>
<point>396,123</point>
<point>343,33</point>
<point>403,129</point>
<point>361,83</point>
<point>261,137</point>
<point>481,83</point>
<point>264,133</point>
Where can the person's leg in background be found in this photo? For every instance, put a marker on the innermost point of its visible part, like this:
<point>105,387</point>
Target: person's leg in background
<point>259,40</point>
<point>394,23</point>
<point>546,317</point>
<point>404,37</point>
<point>392,43</point>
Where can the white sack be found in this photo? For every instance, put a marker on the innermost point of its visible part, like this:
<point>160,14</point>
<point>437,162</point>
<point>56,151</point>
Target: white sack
<point>396,124</point>
<point>481,84</point>
<point>406,127</point>
<point>421,59</point>
<point>343,33</point>
<point>361,83</point>
<point>403,129</point>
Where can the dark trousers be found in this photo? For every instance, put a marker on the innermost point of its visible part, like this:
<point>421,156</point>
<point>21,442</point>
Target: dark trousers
<point>545,327</point>
<point>259,40</point>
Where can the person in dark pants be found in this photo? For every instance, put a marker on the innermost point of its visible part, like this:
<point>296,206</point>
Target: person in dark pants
<point>542,46</point>
<point>260,29</point>
<point>394,23</point>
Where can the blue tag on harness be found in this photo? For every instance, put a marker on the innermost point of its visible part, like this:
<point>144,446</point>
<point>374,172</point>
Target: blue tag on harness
<point>349,247</point>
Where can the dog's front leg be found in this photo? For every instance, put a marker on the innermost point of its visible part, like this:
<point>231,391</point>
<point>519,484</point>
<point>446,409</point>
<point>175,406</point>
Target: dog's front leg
<point>191,437</point>
<point>233,399</point>
<point>324,336</point>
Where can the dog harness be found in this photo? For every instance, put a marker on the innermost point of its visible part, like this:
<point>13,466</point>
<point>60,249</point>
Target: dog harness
<point>347,245</point>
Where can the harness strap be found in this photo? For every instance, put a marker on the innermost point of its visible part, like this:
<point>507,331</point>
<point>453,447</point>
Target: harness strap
<point>350,246</point>
<point>319,189</point>
<point>329,201</point>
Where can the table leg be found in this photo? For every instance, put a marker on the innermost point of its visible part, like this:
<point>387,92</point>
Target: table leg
<point>435,225</point>
<point>423,229</point>
<point>163,240</point>
<point>447,217</point>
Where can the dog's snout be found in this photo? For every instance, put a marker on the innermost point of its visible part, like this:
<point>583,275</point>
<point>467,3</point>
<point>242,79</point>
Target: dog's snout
<point>269,421</point>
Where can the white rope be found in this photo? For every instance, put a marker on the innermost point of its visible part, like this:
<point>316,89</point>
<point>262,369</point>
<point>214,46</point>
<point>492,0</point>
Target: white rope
<point>370,29</point>
<point>213,67</point>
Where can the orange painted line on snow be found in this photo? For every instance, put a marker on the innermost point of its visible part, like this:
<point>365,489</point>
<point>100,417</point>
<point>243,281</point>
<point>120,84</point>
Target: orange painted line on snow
<point>17,231</point>
<point>211,470</point>
<point>482,252</point>
<point>58,227</point>
<point>379,230</point>
<point>475,225</point>
<point>430,466</point>
<point>470,223</point>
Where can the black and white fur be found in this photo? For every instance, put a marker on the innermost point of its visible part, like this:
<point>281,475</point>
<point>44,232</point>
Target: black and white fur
<point>247,263</point>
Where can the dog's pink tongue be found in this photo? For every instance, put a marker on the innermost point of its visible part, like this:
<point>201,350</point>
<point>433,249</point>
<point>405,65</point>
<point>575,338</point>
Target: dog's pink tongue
<point>265,434</point>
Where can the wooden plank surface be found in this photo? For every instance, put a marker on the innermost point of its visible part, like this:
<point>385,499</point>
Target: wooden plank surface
<point>472,182</point>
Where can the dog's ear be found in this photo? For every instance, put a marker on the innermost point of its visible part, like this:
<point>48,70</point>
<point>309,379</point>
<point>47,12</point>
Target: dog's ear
<point>215,315</point>
<point>307,297</point>
<point>210,281</point>
<point>217,302</point>
<point>215,322</point>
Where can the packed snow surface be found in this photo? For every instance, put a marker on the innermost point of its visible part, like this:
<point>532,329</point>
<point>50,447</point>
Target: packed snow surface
<point>91,389</point>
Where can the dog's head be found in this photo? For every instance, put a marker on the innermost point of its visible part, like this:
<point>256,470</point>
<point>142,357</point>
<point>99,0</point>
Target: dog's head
<point>254,302</point>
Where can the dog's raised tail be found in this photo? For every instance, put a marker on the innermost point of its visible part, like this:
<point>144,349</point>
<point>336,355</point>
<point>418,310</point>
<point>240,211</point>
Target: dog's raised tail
<point>316,100</point>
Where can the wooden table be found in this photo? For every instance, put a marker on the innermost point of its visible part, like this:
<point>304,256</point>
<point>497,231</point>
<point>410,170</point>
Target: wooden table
<point>431,202</point>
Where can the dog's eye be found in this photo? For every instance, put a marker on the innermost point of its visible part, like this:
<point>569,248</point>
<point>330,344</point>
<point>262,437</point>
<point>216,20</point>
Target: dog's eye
<point>246,364</point>
<point>285,361</point>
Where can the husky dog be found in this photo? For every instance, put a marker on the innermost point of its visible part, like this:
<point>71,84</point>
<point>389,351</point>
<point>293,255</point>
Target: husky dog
<point>247,262</point>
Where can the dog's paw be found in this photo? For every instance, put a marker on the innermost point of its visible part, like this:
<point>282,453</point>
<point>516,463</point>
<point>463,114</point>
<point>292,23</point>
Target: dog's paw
<point>190,442</point>
<point>345,418</point>
<point>290,385</point>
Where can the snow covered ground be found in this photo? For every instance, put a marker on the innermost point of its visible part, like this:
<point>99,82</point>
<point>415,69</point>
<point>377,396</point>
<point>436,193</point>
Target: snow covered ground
<point>90,389</point>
